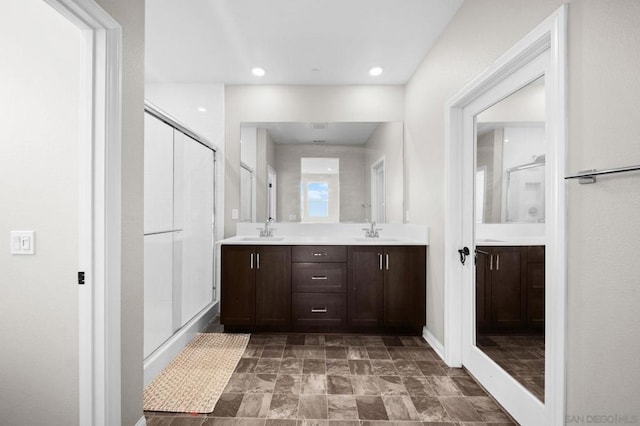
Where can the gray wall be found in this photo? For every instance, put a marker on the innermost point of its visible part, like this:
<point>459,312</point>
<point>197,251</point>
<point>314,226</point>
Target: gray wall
<point>603,369</point>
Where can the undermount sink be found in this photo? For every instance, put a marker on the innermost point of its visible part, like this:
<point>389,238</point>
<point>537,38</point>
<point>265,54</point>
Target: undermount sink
<point>376,239</point>
<point>261,239</point>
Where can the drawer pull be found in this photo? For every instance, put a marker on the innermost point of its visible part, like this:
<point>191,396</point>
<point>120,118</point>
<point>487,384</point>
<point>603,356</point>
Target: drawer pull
<point>318,310</point>
<point>319,277</point>
<point>319,254</point>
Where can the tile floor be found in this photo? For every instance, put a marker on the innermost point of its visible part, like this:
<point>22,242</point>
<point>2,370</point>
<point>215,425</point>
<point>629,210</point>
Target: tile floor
<point>344,380</point>
<point>521,356</point>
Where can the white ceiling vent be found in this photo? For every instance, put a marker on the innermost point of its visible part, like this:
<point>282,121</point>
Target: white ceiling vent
<point>319,126</point>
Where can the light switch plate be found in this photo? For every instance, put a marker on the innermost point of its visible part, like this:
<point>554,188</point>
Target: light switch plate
<point>23,242</point>
<point>234,214</point>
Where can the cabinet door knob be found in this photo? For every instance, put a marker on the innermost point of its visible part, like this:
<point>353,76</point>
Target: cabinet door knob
<point>319,277</point>
<point>387,256</point>
<point>319,254</point>
<point>380,259</point>
<point>318,310</point>
<point>258,261</point>
<point>251,261</point>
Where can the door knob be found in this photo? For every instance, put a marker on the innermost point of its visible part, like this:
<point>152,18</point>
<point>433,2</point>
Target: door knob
<point>464,252</point>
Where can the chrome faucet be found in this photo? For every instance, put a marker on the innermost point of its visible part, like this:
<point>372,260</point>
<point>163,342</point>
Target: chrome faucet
<point>266,231</point>
<point>372,231</point>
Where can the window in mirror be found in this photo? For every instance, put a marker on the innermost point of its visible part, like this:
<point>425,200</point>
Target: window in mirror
<point>318,199</point>
<point>320,189</point>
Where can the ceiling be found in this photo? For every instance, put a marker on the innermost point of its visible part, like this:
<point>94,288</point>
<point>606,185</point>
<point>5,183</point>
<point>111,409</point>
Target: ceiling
<point>316,42</point>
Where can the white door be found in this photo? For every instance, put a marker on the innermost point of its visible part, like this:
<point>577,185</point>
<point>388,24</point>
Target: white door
<point>517,101</point>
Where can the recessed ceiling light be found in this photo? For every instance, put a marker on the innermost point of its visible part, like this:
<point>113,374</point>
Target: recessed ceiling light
<point>202,109</point>
<point>258,72</point>
<point>375,71</point>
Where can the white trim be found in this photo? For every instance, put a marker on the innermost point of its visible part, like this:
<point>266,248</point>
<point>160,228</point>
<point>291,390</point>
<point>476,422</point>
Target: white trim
<point>142,421</point>
<point>373,188</point>
<point>433,342</point>
<point>549,35</point>
<point>100,207</point>
<point>162,356</point>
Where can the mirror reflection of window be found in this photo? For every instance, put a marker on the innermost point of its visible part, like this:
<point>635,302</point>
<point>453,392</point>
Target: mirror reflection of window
<point>320,189</point>
<point>318,199</point>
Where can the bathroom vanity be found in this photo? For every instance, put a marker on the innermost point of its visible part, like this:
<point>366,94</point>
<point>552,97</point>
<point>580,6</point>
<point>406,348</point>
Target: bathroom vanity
<point>323,284</point>
<point>510,288</point>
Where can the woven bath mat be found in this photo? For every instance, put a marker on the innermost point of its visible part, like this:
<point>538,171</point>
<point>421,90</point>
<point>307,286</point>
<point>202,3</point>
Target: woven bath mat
<point>194,380</point>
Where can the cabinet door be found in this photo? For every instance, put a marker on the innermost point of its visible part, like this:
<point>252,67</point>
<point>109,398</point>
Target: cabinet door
<point>365,286</point>
<point>237,286</point>
<point>273,285</point>
<point>535,288</point>
<point>404,287</point>
<point>507,293</point>
<point>483,297</point>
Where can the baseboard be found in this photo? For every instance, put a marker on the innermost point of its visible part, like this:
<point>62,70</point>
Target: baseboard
<point>433,342</point>
<point>161,357</point>
<point>141,422</point>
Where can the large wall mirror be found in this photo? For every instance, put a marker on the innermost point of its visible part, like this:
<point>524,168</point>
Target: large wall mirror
<point>322,172</point>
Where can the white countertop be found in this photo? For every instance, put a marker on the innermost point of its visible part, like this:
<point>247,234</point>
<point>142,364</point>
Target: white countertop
<point>330,234</point>
<point>524,241</point>
<point>322,241</point>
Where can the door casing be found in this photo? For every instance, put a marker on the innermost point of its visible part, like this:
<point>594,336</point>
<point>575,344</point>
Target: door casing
<point>99,216</point>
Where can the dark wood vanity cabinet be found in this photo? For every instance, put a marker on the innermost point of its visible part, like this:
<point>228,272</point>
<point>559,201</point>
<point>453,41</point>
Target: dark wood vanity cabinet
<point>387,287</point>
<point>319,283</point>
<point>365,286</point>
<point>404,290</point>
<point>535,288</point>
<point>509,289</point>
<point>324,288</point>
<point>256,289</point>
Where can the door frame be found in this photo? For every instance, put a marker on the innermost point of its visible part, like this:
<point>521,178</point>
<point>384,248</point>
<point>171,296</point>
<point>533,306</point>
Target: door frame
<point>380,163</point>
<point>549,35</point>
<point>100,211</point>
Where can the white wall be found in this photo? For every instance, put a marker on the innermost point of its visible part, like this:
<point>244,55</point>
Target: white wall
<point>184,102</point>
<point>298,103</point>
<point>39,190</point>
<point>603,369</point>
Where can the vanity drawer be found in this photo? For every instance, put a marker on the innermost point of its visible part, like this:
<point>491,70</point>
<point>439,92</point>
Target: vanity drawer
<point>319,310</point>
<point>319,277</point>
<point>319,254</point>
